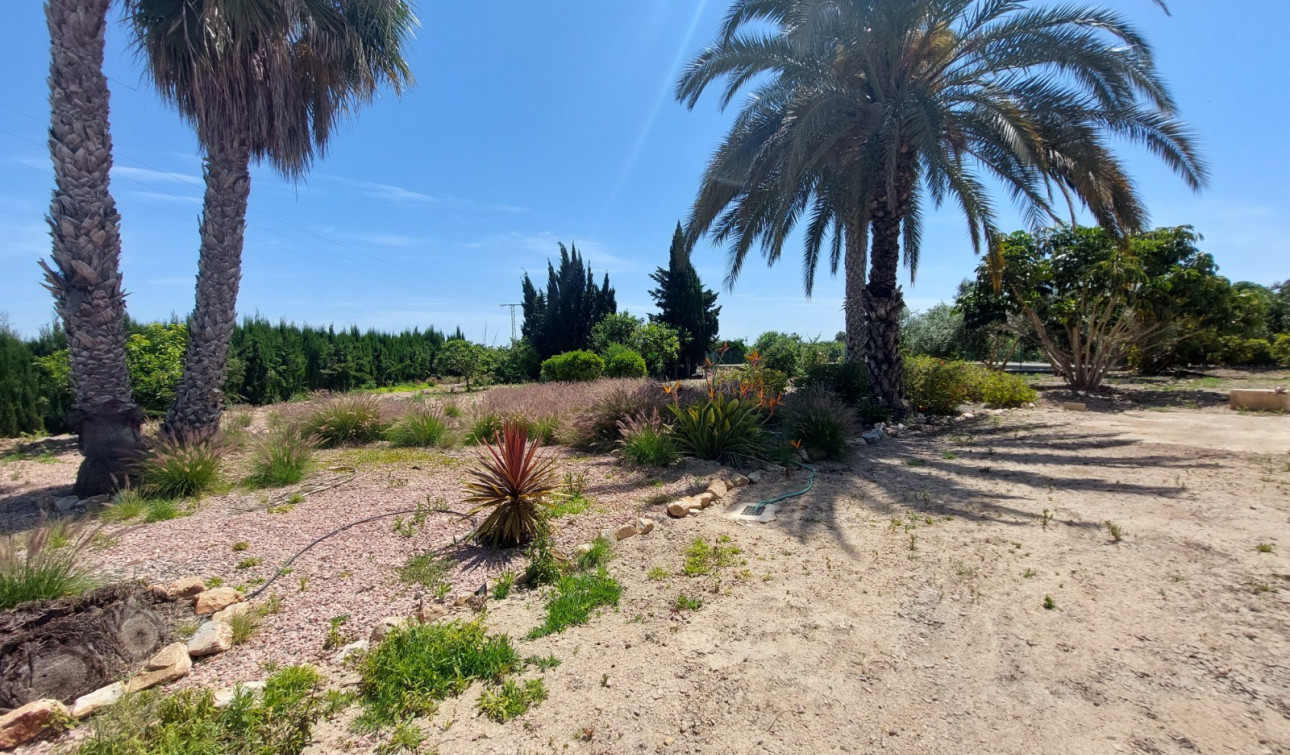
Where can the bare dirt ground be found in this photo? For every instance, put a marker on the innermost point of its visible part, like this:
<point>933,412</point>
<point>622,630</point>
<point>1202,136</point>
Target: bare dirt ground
<point>900,606</point>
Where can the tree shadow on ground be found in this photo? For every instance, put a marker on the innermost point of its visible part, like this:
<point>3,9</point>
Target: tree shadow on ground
<point>22,511</point>
<point>902,477</point>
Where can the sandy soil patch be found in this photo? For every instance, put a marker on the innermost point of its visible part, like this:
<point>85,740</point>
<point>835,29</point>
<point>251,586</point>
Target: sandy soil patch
<point>897,607</point>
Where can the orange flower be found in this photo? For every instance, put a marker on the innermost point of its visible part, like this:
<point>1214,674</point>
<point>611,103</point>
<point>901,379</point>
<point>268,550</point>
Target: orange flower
<point>754,358</point>
<point>796,443</point>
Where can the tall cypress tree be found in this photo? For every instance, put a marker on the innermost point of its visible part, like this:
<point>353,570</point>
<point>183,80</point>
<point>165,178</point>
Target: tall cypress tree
<point>685,304</point>
<point>19,387</point>
<point>560,319</point>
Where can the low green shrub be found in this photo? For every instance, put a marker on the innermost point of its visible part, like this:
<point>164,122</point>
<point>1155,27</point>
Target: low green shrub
<point>650,447</point>
<point>283,457</point>
<point>484,429</point>
<point>503,702</point>
<point>544,567</point>
<point>602,550</point>
<point>819,420</point>
<point>346,420</point>
<point>622,362</point>
<point>420,427</point>
<point>721,428</point>
<point>849,381</point>
<point>278,720</point>
<point>574,599</point>
<point>573,366</point>
<point>1280,350</point>
<point>42,564</point>
<point>415,667</point>
<point>1001,389</point>
<point>937,386</point>
<point>180,467</point>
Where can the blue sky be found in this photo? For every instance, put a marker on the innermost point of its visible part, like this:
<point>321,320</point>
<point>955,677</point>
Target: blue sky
<point>533,123</point>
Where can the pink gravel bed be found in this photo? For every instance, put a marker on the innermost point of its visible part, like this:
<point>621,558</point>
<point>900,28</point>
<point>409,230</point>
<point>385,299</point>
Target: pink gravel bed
<point>354,572</point>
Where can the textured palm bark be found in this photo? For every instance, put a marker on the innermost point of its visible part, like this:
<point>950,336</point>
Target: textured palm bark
<point>857,331</point>
<point>883,301</point>
<point>85,278</point>
<point>883,304</point>
<point>199,397</point>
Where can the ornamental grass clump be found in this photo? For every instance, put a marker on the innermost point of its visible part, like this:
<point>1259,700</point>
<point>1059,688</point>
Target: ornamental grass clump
<point>512,483</point>
<point>179,467</point>
<point>818,419</point>
<point>44,563</point>
<point>423,427</point>
<point>346,420</point>
<point>283,457</point>
<point>646,441</point>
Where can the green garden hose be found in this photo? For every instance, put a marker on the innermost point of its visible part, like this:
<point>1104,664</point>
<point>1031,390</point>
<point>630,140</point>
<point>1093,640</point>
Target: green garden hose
<point>761,505</point>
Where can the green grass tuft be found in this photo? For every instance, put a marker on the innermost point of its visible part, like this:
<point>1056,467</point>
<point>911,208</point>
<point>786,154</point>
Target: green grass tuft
<point>277,720</point>
<point>510,699</point>
<point>282,458</point>
<point>33,569</point>
<point>414,668</point>
<point>602,550</point>
<point>420,427</point>
<point>575,597</point>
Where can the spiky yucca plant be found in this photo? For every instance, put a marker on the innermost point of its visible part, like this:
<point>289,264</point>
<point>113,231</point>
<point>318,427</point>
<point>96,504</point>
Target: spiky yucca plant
<point>513,481</point>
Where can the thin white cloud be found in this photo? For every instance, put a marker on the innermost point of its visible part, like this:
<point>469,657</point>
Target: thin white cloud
<point>539,246</point>
<point>402,195</point>
<point>388,239</point>
<point>149,174</point>
<point>157,196</point>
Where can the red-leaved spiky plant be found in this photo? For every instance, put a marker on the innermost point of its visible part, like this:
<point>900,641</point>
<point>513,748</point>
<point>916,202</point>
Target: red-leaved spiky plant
<point>513,481</point>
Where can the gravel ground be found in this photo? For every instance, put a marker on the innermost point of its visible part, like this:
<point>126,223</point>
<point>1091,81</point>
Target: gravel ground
<point>898,607</point>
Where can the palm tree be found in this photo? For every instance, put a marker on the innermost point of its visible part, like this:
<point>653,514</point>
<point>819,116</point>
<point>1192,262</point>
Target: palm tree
<point>85,278</point>
<point>266,79</point>
<point>870,106</point>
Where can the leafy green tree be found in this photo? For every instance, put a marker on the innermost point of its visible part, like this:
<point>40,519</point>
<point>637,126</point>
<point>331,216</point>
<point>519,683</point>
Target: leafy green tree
<point>1087,298</point>
<point>257,80</point>
<point>658,345</point>
<point>1279,309</point>
<point>155,355</point>
<point>618,329</point>
<point>865,109</point>
<point>560,319</point>
<point>464,359</point>
<point>936,332</point>
<point>517,363</point>
<point>685,304</point>
<point>19,386</point>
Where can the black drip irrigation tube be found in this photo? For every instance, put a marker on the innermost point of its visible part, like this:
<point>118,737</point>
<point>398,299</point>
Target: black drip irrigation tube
<point>338,530</point>
<point>759,507</point>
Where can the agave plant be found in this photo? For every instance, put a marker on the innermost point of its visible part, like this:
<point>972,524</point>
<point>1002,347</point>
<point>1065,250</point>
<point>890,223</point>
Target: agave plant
<point>513,481</point>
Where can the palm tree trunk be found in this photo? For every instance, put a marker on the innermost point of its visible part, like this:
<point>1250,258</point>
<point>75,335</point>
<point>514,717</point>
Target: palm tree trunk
<point>86,276</point>
<point>856,330</point>
<point>199,397</point>
<point>883,304</point>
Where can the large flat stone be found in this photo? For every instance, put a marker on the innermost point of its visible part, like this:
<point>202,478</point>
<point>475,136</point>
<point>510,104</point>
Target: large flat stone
<point>1260,400</point>
<point>210,638</point>
<point>24,724</point>
<point>102,697</point>
<point>216,600</point>
<point>178,670</point>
